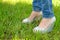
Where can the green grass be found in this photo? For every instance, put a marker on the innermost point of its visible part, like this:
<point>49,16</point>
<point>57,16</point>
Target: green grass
<point>12,28</point>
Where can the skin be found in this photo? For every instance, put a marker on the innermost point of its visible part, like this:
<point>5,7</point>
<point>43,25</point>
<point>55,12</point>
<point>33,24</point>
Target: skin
<point>44,22</point>
<point>33,15</point>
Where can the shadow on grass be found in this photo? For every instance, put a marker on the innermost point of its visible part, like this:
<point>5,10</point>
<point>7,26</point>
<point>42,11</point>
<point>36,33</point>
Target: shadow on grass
<point>11,26</point>
<point>57,14</point>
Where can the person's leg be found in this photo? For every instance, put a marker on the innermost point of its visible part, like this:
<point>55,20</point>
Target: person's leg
<point>37,8</point>
<point>36,12</point>
<point>48,16</point>
<point>37,5</point>
<point>47,12</point>
<point>47,8</point>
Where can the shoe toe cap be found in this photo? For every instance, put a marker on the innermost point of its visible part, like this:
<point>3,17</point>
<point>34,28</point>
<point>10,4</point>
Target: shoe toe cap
<point>38,29</point>
<point>25,20</point>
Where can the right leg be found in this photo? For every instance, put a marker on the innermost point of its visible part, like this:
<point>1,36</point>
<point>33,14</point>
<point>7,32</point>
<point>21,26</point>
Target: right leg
<point>36,12</point>
<point>37,5</point>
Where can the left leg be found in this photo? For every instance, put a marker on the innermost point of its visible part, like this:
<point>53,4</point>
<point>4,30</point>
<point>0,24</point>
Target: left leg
<point>47,9</point>
<point>48,17</point>
<point>47,13</point>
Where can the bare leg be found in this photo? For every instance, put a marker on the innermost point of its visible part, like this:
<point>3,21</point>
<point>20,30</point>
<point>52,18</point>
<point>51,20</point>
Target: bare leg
<point>34,14</point>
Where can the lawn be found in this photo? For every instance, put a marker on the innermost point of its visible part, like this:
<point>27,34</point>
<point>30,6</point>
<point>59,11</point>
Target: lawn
<point>11,27</point>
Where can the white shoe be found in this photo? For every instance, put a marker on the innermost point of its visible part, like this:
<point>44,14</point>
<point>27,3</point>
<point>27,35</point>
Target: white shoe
<point>44,30</point>
<point>27,20</point>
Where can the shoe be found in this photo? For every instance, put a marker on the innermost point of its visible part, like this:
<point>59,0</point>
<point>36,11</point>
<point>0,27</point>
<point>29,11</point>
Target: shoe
<point>27,20</point>
<point>45,30</point>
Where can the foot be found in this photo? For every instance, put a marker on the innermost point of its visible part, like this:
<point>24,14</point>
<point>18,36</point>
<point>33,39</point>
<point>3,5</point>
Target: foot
<point>32,17</point>
<point>45,25</point>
